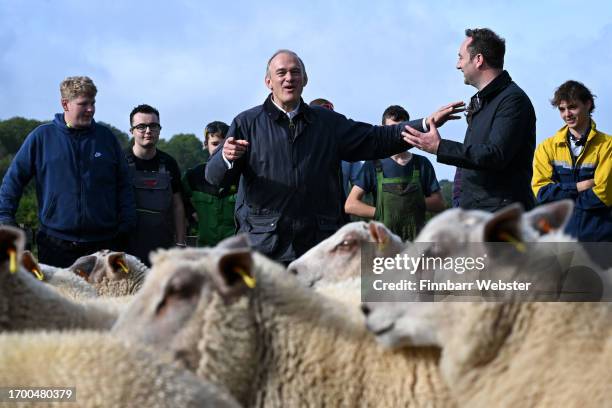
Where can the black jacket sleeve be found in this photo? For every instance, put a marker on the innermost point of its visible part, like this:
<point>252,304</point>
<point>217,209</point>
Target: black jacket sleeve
<point>362,141</point>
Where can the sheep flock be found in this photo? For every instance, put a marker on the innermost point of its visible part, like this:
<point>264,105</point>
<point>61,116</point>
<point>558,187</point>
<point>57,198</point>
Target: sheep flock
<point>227,327</point>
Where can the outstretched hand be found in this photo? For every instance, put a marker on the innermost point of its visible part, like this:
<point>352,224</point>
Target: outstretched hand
<point>427,142</point>
<point>233,149</point>
<point>447,112</point>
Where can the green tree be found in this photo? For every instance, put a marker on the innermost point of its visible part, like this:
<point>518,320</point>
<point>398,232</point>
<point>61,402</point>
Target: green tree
<point>186,149</point>
<point>124,139</point>
<point>446,188</point>
<point>12,135</point>
<point>13,132</point>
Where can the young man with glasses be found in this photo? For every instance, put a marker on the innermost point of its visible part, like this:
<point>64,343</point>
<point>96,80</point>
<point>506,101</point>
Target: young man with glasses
<point>157,188</point>
<point>85,200</point>
<point>496,156</point>
<point>213,207</point>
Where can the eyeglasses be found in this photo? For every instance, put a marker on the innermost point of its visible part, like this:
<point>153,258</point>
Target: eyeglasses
<point>155,127</point>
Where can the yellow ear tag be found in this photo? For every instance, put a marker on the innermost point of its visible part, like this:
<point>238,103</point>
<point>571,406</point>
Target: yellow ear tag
<point>39,275</point>
<point>122,266</point>
<point>12,260</point>
<point>248,280</point>
<point>517,244</point>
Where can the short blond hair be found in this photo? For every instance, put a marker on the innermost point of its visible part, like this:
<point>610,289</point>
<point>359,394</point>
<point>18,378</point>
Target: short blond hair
<point>73,87</point>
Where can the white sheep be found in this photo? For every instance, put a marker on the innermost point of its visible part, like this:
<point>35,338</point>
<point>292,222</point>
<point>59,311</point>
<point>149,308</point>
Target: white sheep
<point>507,353</point>
<point>103,273</point>
<point>340,256</point>
<point>103,372</point>
<point>64,280</point>
<point>27,303</point>
<point>111,273</point>
<point>278,344</point>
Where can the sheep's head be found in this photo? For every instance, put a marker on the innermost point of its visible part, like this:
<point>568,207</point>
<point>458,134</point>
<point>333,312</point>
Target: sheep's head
<point>12,242</point>
<point>167,313</point>
<point>101,265</point>
<point>463,233</point>
<point>339,256</point>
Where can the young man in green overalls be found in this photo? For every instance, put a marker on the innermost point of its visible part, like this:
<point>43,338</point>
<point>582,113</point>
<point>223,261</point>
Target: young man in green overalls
<point>214,207</point>
<point>405,187</point>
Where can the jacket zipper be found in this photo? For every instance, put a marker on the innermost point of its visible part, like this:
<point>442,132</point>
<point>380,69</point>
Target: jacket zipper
<point>291,129</point>
<point>576,158</point>
<point>292,137</point>
<point>80,173</point>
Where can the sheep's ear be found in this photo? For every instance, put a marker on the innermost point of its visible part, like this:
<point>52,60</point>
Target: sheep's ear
<point>234,273</point>
<point>31,265</point>
<point>550,217</point>
<point>379,232</point>
<point>117,263</point>
<point>240,241</point>
<point>84,267</point>
<point>505,225</point>
<point>12,242</point>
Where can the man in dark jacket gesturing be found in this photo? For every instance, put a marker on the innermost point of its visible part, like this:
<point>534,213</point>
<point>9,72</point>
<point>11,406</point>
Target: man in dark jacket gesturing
<point>287,156</point>
<point>496,157</point>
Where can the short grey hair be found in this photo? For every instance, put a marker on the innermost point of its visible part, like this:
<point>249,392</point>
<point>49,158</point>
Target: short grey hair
<point>286,51</point>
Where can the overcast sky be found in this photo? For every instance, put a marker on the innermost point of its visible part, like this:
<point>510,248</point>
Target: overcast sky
<point>199,61</point>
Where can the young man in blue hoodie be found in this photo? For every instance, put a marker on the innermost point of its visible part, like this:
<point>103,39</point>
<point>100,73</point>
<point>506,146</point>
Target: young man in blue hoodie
<point>85,199</point>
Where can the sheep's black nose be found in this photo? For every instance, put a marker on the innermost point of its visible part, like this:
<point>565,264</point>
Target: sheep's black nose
<point>292,271</point>
<point>365,309</point>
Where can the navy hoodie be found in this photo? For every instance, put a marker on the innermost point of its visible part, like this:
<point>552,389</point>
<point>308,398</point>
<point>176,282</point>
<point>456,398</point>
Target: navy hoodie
<point>82,182</point>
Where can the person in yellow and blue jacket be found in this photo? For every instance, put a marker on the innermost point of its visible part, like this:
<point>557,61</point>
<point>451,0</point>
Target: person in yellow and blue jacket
<point>576,163</point>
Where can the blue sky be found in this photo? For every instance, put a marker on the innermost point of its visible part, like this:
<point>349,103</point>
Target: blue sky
<point>199,61</point>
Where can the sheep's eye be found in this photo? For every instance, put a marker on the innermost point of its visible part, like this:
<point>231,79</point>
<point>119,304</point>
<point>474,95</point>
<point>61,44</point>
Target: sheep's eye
<point>185,286</point>
<point>346,245</point>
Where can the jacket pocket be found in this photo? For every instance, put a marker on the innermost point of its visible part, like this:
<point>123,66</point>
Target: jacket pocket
<point>490,203</point>
<point>262,232</point>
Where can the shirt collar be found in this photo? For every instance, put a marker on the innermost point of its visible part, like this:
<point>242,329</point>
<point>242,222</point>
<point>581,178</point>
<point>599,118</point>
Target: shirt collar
<point>572,139</point>
<point>275,112</point>
<point>290,114</point>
